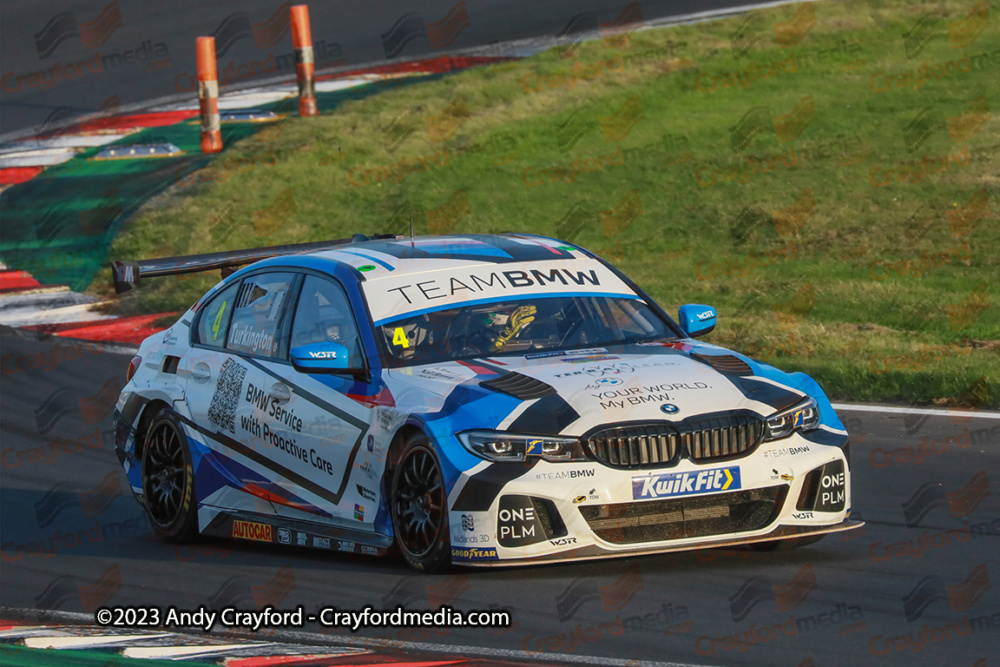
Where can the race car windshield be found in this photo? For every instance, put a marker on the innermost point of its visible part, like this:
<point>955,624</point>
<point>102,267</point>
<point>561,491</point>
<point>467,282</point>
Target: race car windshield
<point>520,327</point>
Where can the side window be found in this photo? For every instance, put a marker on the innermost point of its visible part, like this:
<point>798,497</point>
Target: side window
<point>256,326</point>
<point>324,314</point>
<point>214,322</point>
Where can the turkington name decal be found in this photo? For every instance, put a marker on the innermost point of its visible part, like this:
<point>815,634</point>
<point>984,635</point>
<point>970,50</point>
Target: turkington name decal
<point>394,296</point>
<point>673,484</point>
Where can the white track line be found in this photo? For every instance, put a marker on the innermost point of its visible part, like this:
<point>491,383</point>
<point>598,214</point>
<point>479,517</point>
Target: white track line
<point>86,642</point>
<point>325,641</point>
<point>181,652</point>
<point>943,412</point>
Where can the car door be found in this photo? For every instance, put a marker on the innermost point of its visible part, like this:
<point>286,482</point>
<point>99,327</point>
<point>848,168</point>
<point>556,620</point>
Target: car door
<point>230,395</point>
<point>325,424</point>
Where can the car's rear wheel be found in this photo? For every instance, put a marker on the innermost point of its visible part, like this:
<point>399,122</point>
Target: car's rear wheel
<point>788,544</point>
<point>420,506</point>
<point>168,479</point>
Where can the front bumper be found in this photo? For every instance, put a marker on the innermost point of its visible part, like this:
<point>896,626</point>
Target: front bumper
<point>573,511</point>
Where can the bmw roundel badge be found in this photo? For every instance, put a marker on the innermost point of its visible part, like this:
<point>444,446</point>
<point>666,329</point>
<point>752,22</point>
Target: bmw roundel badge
<point>669,408</point>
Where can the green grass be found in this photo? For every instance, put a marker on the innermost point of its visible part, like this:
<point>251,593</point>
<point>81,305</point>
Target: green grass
<point>814,263</point>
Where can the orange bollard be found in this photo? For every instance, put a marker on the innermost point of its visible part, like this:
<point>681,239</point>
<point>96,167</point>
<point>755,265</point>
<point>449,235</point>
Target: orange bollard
<point>305,61</point>
<point>208,96</point>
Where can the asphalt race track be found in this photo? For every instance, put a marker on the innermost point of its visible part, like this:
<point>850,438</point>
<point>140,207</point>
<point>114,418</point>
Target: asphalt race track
<point>914,587</point>
<point>136,51</point>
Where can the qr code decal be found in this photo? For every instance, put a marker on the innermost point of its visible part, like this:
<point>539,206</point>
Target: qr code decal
<point>222,410</point>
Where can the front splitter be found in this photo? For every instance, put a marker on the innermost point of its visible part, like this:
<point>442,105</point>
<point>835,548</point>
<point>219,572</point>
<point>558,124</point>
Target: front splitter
<point>597,553</point>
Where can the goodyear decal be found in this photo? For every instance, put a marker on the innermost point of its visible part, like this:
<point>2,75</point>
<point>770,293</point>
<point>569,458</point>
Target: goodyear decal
<point>673,484</point>
<point>473,553</point>
<point>246,530</point>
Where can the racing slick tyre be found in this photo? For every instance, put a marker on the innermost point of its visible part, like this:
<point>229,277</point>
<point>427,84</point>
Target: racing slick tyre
<point>420,506</point>
<point>168,479</point>
<point>788,544</point>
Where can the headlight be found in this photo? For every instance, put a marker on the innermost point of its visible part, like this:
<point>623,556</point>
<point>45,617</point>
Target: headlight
<point>502,446</point>
<point>804,417</point>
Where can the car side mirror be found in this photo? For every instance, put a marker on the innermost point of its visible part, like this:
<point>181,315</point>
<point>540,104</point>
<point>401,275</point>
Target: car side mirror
<point>696,319</point>
<point>324,357</point>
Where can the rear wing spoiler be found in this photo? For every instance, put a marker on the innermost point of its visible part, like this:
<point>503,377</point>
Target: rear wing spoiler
<point>126,275</point>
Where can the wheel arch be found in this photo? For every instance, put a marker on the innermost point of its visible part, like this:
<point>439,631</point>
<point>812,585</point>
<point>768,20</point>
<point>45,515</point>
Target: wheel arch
<point>149,412</point>
<point>405,431</point>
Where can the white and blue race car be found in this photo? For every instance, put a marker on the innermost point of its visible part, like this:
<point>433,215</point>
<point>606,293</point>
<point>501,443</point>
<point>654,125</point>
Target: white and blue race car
<point>481,400</point>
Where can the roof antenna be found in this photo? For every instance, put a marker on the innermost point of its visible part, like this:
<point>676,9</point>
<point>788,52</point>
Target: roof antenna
<point>411,227</point>
<point>349,197</point>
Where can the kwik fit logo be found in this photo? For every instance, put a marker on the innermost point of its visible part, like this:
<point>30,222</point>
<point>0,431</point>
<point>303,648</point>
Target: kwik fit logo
<point>685,483</point>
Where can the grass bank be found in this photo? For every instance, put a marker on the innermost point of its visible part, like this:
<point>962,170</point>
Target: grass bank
<point>824,174</point>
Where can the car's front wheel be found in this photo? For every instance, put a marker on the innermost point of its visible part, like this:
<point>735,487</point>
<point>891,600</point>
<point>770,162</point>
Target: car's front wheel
<point>168,479</point>
<point>420,506</point>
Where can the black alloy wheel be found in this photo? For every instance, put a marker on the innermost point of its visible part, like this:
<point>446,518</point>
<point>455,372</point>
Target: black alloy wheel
<point>420,507</point>
<point>168,479</point>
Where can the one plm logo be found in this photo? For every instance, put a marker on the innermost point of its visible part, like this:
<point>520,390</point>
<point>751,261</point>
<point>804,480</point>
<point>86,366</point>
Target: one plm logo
<point>675,484</point>
<point>236,26</point>
<point>441,34</point>
<point>759,589</point>
<point>65,25</point>
<point>960,597</point>
<point>960,504</point>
